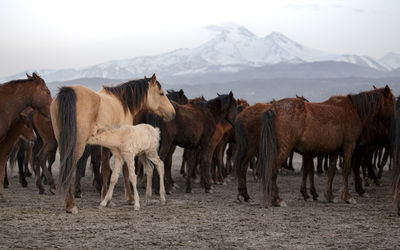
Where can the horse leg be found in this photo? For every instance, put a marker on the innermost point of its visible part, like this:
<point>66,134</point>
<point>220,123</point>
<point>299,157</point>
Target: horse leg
<point>356,164</point>
<point>129,159</point>
<point>184,161</point>
<point>129,197</point>
<point>153,157</point>
<point>291,160</point>
<point>313,190</point>
<point>229,156</point>
<point>191,163</point>
<point>21,172</point>
<point>118,162</point>
<point>95,159</point>
<point>80,172</point>
<point>304,170</point>
<point>6,183</point>
<point>320,160</point>
<point>345,174</point>
<point>219,153</point>
<point>331,174</point>
<point>241,172</point>
<point>2,173</point>
<point>148,169</point>
<point>36,169</point>
<point>105,170</point>
<point>383,162</point>
<point>48,152</point>
<point>168,168</point>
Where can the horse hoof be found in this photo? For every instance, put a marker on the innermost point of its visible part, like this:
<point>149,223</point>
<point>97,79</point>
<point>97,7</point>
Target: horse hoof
<point>103,204</point>
<point>73,210</point>
<point>335,200</point>
<point>365,195</point>
<point>136,208</point>
<point>208,191</point>
<point>163,202</point>
<point>41,191</point>
<point>315,198</point>
<point>24,183</point>
<point>282,204</point>
<point>176,186</point>
<point>351,201</point>
<point>77,195</point>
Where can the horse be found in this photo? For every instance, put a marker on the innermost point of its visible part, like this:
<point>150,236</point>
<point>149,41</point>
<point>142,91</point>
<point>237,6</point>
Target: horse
<point>292,124</point>
<point>126,142</point>
<point>77,112</point>
<point>17,95</point>
<point>20,127</point>
<point>395,146</point>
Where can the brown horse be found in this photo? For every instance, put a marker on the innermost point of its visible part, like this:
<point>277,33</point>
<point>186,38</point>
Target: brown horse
<point>21,126</point>
<point>17,95</point>
<point>44,150</point>
<point>78,112</point>
<point>395,145</point>
<point>292,124</point>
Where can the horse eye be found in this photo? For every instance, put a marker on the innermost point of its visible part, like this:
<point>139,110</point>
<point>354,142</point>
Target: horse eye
<point>161,93</point>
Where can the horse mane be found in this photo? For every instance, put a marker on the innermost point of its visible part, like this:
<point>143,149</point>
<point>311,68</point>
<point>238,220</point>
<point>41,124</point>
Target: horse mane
<point>18,81</point>
<point>132,94</point>
<point>366,102</point>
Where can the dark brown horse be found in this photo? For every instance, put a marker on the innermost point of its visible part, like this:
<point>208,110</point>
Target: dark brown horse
<point>44,150</point>
<point>21,126</point>
<point>292,124</point>
<point>395,145</point>
<point>17,95</point>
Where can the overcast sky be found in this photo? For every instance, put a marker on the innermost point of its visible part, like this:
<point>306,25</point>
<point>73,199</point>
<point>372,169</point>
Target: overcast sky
<point>51,34</point>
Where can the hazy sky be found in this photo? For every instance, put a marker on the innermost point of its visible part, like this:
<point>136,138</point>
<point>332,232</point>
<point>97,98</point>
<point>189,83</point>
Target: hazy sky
<point>51,34</point>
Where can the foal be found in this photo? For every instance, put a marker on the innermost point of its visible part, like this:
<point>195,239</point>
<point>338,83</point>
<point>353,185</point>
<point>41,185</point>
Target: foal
<point>126,142</point>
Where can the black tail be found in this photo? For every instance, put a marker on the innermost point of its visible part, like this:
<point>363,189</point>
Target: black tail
<point>67,138</point>
<point>395,144</point>
<point>267,153</point>
<point>241,145</point>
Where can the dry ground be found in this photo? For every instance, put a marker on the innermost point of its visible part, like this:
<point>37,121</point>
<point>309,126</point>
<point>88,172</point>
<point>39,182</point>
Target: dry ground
<point>199,220</point>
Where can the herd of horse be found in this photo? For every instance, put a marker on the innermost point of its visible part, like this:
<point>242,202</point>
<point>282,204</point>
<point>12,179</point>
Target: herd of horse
<point>80,122</point>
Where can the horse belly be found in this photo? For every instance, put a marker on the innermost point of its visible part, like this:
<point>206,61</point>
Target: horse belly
<point>320,140</point>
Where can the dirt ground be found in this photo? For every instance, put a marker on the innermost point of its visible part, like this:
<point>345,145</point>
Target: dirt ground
<point>199,220</point>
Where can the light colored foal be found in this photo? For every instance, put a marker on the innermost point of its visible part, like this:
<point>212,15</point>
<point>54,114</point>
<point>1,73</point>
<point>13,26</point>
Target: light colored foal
<point>126,142</point>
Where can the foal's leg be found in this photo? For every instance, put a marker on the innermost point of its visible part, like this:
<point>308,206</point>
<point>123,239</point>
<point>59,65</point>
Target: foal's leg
<point>311,171</point>
<point>6,183</point>
<point>114,178</point>
<point>128,191</point>
<point>130,161</point>
<point>153,157</point>
<point>149,175</point>
<point>80,171</point>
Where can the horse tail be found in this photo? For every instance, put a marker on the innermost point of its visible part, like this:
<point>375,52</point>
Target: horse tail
<point>67,137</point>
<point>395,145</point>
<point>241,144</point>
<point>267,153</point>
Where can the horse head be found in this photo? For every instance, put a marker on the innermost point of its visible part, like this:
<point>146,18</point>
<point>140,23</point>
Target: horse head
<point>41,97</point>
<point>157,101</point>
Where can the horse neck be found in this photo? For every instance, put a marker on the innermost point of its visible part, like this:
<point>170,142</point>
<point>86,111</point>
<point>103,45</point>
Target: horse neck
<point>216,113</point>
<point>20,93</point>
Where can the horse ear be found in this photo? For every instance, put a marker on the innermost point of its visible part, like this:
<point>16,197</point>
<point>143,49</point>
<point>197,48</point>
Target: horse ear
<point>230,94</point>
<point>297,96</point>
<point>27,75</point>
<point>181,93</point>
<point>153,79</point>
<point>218,94</point>
<point>374,86</point>
<point>387,89</point>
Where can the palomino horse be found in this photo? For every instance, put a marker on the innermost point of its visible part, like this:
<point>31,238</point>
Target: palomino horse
<point>292,124</point>
<point>19,127</point>
<point>126,142</point>
<point>17,95</point>
<point>77,112</point>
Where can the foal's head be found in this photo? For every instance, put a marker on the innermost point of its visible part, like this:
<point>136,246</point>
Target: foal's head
<point>157,101</point>
<point>22,127</point>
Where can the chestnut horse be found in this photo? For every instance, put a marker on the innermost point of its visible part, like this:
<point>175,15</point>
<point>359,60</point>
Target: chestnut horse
<point>21,126</point>
<point>77,112</point>
<point>17,95</point>
<point>292,124</point>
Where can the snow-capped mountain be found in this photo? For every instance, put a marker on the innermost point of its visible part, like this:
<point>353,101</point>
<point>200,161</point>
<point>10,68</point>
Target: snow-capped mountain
<point>233,49</point>
<point>391,60</point>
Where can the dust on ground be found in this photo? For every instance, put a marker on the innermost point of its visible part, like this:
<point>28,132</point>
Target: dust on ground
<point>199,220</point>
